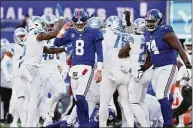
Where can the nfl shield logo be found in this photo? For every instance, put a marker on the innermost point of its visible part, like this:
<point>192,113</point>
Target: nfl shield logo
<point>72,35</point>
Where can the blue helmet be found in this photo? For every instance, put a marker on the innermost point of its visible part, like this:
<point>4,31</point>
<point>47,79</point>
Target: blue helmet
<point>95,22</point>
<point>79,19</point>
<point>153,19</point>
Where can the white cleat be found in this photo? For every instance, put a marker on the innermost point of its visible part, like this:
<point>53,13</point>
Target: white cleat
<point>48,120</point>
<point>180,125</point>
<point>13,125</point>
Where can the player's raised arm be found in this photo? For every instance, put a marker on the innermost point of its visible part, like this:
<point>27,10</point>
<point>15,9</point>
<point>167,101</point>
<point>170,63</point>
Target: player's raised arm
<point>63,37</point>
<point>124,52</point>
<point>174,42</point>
<point>53,50</point>
<point>51,34</point>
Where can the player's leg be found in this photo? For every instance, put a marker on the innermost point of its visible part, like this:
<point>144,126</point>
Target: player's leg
<point>106,93</point>
<point>20,89</point>
<point>92,96</point>
<point>73,115</point>
<point>135,93</point>
<point>162,87</point>
<point>124,102</point>
<point>34,89</point>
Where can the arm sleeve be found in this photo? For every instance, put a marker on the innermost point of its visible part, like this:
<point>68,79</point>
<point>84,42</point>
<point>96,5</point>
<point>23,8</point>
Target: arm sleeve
<point>6,60</point>
<point>98,46</point>
<point>64,40</point>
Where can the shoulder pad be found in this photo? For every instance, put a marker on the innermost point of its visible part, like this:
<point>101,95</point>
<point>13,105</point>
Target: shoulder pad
<point>166,29</point>
<point>37,31</point>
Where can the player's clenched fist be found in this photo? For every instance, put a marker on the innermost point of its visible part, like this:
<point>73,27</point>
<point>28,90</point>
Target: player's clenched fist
<point>98,76</point>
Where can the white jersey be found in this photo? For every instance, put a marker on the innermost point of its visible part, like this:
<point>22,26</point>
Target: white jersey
<point>17,58</point>
<point>49,60</point>
<point>34,49</point>
<point>112,43</point>
<point>138,51</point>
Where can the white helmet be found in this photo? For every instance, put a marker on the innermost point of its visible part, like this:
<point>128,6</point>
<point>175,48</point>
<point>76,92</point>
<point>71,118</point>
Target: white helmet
<point>95,22</point>
<point>4,42</point>
<point>20,36</point>
<point>188,45</point>
<point>114,23</point>
<point>36,22</point>
<point>50,20</point>
<point>139,26</point>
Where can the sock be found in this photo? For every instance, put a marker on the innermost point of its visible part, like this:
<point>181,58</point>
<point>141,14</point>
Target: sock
<point>82,110</point>
<point>166,110</point>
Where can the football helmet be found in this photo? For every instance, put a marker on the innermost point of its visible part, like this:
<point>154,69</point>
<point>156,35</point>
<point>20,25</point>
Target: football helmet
<point>4,42</point>
<point>188,45</point>
<point>20,36</point>
<point>153,19</point>
<point>95,22</point>
<point>139,26</point>
<point>50,20</point>
<point>79,19</point>
<point>36,22</point>
<point>114,23</point>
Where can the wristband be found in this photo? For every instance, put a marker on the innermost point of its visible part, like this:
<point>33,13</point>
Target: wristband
<point>99,65</point>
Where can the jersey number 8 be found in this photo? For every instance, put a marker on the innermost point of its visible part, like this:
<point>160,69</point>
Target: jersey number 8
<point>79,47</point>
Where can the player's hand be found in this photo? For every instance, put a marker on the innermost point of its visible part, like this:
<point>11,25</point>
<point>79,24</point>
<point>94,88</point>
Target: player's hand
<point>139,73</point>
<point>188,65</point>
<point>127,17</point>
<point>67,25</point>
<point>98,76</point>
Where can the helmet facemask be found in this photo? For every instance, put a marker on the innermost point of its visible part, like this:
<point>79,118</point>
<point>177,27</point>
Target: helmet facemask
<point>80,25</point>
<point>151,25</point>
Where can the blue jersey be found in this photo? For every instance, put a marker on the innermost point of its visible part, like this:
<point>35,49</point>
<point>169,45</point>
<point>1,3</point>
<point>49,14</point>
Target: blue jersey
<point>160,51</point>
<point>84,45</point>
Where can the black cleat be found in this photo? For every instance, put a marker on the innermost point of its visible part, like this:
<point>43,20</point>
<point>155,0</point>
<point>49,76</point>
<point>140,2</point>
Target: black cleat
<point>8,118</point>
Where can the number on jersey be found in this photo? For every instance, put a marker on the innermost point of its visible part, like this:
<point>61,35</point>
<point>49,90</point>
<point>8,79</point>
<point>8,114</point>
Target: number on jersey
<point>48,56</point>
<point>152,47</point>
<point>79,47</point>
<point>142,55</point>
<point>121,40</point>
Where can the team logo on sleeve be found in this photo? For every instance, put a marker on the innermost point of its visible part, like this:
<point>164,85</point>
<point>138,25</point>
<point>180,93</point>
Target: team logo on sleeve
<point>72,35</point>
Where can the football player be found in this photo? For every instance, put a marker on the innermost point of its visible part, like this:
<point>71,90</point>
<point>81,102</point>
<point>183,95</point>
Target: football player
<point>30,75</point>
<point>135,50</point>
<point>52,80</point>
<point>162,45</point>
<point>115,71</point>
<point>86,42</point>
<point>19,88</point>
<point>6,79</point>
<point>184,78</point>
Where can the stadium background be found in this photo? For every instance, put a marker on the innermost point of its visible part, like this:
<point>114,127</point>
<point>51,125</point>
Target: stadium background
<point>176,13</point>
